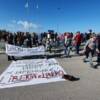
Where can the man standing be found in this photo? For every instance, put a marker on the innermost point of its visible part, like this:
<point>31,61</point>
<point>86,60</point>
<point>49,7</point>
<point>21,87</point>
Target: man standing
<point>67,43</point>
<point>10,41</point>
<point>78,40</point>
<point>89,49</point>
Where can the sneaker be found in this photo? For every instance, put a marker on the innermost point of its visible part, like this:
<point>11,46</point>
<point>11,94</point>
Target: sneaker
<point>96,66</point>
<point>84,60</point>
<point>91,65</point>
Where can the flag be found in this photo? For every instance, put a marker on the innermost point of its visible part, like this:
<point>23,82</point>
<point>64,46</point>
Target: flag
<point>26,5</point>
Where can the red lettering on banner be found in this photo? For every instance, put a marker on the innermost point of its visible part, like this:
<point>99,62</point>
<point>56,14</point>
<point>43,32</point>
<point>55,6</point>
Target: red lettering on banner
<point>22,78</point>
<point>39,76</point>
<point>43,76</point>
<point>13,78</point>
<point>28,77</point>
<point>34,75</point>
<point>48,75</point>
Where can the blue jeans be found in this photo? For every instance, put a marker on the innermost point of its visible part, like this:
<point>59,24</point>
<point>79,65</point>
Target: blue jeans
<point>67,50</point>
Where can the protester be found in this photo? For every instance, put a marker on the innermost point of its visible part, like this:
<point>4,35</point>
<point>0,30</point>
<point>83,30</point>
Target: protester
<point>67,43</point>
<point>98,50</point>
<point>48,39</point>
<point>10,41</point>
<point>89,49</point>
<point>78,40</point>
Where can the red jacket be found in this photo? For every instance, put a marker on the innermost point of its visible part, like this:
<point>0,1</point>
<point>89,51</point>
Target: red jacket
<point>78,39</point>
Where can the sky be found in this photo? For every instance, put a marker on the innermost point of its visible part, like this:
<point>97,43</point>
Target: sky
<point>43,15</point>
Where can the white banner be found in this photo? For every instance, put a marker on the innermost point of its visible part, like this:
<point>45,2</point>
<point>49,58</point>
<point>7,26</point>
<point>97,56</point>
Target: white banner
<point>17,51</point>
<point>31,72</point>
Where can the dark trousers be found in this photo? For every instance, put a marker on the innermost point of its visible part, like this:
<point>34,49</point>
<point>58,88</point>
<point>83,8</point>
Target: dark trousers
<point>77,48</point>
<point>98,58</point>
<point>89,51</point>
<point>89,54</point>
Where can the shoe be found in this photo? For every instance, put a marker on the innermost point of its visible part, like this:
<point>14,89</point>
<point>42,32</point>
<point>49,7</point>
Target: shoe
<point>96,66</point>
<point>91,65</point>
<point>84,60</point>
<point>69,56</point>
<point>70,78</point>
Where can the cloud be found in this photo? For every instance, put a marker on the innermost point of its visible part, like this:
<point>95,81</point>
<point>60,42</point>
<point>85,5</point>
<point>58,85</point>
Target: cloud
<point>20,25</point>
<point>27,25</point>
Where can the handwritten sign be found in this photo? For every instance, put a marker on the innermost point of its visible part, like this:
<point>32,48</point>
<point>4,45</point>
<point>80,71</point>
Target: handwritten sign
<point>17,51</point>
<point>31,72</point>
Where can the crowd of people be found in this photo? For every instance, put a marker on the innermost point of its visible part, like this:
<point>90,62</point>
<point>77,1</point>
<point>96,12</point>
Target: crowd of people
<point>26,39</point>
<point>52,39</point>
<point>91,45</point>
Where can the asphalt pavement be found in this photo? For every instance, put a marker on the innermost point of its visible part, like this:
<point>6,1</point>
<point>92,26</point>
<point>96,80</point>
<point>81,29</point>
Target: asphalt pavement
<point>87,88</point>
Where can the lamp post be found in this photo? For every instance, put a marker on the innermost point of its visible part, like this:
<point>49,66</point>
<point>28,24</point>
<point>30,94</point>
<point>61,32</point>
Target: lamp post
<point>58,10</point>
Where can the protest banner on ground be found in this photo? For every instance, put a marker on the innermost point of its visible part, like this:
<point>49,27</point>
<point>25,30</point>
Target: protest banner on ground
<point>31,72</point>
<point>17,51</point>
